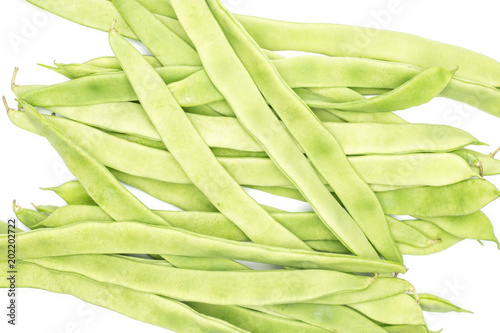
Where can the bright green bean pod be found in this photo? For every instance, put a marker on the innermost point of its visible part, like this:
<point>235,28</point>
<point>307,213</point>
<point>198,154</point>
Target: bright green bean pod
<point>73,193</point>
<point>462,198</point>
<point>97,89</point>
<point>417,91</point>
<point>46,209</point>
<point>28,217</point>
<point>401,309</point>
<point>473,226</point>
<point>148,308</point>
<point>226,132</point>
<point>255,321</point>
<point>444,240</point>
<point>254,288</point>
<point>165,45</point>
<point>432,303</point>
<point>335,318</point>
<point>134,237</point>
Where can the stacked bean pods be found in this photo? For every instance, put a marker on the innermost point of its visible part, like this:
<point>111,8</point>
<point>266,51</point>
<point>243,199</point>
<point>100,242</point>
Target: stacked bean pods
<point>215,109</point>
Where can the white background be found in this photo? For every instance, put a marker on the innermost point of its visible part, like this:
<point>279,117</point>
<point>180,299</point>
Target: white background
<point>467,273</point>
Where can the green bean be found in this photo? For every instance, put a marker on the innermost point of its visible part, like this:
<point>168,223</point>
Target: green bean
<point>380,289</point>
<point>254,288</point>
<point>97,89</point>
<point>191,152</point>
<point>442,201</point>
<point>73,193</point>
<point>462,198</point>
<point>332,317</point>
<point>474,226</point>
<point>111,62</point>
<point>432,303</point>
<point>165,45</point>
<point>5,229</point>
<point>489,165</point>
<point>149,308</point>
<point>46,209</point>
<point>28,217</point>
<point>307,226</point>
<point>185,196</point>
<point>75,71</point>
<point>225,132</point>
<point>337,40</point>
<point>133,237</point>
<point>411,93</point>
<point>444,239</point>
<point>254,321</point>
<point>401,309</point>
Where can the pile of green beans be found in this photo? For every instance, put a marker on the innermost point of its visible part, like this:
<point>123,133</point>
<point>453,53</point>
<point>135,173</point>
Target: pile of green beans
<point>215,113</point>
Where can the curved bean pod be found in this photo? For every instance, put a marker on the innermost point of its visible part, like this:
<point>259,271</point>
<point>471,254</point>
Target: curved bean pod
<point>401,309</point>
<point>133,237</point>
<point>165,45</point>
<point>226,132</point>
<point>28,217</point>
<point>462,198</point>
<point>73,193</point>
<point>254,288</point>
<point>255,321</point>
<point>332,317</point>
<point>432,303</point>
<point>149,308</point>
<point>474,226</point>
<point>444,240</point>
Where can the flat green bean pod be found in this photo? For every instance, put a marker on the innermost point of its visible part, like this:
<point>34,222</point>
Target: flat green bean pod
<point>226,132</point>
<point>28,217</point>
<point>46,209</point>
<point>432,303</point>
<point>489,165</point>
<point>401,309</point>
<point>148,308</point>
<point>462,198</point>
<point>473,226</point>
<point>254,288</point>
<point>134,237</point>
<point>417,91</point>
<point>255,321</point>
<point>97,89</point>
<point>165,45</point>
<point>73,193</point>
<point>444,240</point>
<point>332,317</point>
<point>306,226</point>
